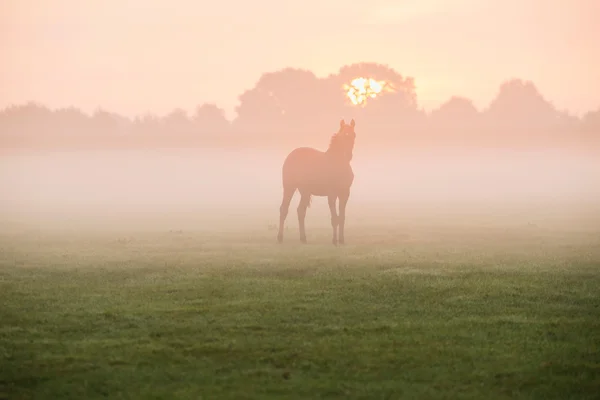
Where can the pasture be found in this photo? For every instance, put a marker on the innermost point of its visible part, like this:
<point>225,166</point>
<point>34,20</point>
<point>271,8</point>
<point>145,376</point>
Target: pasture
<point>418,304</point>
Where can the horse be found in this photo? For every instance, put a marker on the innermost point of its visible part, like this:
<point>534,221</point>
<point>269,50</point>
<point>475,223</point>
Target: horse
<point>320,173</point>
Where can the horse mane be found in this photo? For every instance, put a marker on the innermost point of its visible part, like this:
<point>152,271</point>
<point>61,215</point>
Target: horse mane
<point>334,138</point>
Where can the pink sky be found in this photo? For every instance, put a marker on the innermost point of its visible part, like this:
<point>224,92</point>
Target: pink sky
<point>137,56</point>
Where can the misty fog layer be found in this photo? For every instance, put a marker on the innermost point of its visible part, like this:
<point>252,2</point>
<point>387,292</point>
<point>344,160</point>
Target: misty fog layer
<point>224,182</point>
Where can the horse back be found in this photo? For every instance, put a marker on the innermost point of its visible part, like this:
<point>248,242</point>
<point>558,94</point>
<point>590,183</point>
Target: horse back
<point>314,170</point>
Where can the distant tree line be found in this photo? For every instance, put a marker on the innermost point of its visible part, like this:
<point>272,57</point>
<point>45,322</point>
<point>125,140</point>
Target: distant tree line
<point>294,106</point>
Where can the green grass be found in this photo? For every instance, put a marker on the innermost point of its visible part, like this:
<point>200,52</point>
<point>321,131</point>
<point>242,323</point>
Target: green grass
<point>423,312</point>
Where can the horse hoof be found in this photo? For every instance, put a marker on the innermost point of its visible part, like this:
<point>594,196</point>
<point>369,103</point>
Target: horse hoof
<point>334,242</point>
<point>303,240</point>
<point>280,239</point>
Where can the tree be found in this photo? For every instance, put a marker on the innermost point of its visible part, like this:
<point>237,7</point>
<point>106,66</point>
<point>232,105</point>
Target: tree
<point>393,110</point>
<point>71,121</point>
<point>296,102</point>
<point>296,91</point>
<point>146,125</point>
<point>405,87</point>
<point>177,123</point>
<point>520,108</point>
<point>31,119</point>
<point>285,102</point>
<point>591,122</point>
<point>457,121</point>
<point>456,110</point>
<point>258,112</point>
<point>108,123</point>
<point>590,125</point>
<point>210,119</point>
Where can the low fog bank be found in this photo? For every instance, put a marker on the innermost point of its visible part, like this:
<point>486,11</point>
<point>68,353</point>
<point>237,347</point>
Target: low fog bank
<point>217,184</point>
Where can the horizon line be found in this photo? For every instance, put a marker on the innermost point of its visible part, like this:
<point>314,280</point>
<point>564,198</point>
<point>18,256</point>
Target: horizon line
<point>226,110</point>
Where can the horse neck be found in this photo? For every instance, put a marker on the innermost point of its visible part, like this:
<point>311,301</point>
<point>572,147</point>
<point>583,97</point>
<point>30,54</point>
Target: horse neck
<point>336,154</point>
<point>335,151</point>
<point>334,146</point>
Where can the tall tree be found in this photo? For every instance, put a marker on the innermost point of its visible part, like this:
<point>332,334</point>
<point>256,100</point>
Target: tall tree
<point>210,119</point>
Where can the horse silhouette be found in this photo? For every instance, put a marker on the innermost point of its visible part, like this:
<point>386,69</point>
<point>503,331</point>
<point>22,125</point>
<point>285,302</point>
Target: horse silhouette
<point>320,173</point>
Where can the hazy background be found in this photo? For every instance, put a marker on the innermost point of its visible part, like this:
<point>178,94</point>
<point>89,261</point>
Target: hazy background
<point>139,56</point>
<point>200,190</point>
<point>184,111</point>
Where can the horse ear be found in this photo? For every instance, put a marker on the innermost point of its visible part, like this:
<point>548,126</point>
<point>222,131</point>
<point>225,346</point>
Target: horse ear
<point>342,123</point>
<point>352,123</point>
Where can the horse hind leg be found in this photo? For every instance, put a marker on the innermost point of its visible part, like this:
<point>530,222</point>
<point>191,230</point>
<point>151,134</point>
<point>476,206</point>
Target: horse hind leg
<point>288,193</point>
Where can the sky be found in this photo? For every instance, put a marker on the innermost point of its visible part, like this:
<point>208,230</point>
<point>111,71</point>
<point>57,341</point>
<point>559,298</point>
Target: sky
<point>151,56</point>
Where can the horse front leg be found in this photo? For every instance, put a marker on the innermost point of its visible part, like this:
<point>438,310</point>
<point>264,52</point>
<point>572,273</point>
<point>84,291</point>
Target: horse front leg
<point>334,217</point>
<point>342,216</point>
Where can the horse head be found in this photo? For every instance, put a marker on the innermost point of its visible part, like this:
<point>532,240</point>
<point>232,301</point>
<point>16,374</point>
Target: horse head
<point>342,143</point>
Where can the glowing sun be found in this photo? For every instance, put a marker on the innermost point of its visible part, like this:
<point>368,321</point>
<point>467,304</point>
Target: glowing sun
<point>362,89</point>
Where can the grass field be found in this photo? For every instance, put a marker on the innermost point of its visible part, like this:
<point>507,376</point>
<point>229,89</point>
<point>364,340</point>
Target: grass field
<point>407,309</point>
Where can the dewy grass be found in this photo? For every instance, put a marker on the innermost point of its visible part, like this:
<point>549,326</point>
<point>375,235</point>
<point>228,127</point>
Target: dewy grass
<point>423,314</point>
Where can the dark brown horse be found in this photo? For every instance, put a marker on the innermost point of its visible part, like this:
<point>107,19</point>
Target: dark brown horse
<point>317,173</point>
